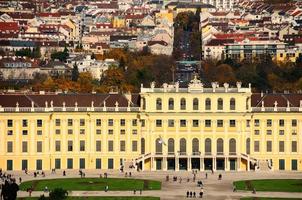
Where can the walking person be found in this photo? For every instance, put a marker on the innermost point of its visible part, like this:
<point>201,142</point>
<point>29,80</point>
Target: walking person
<point>201,193</point>
<point>188,193</point>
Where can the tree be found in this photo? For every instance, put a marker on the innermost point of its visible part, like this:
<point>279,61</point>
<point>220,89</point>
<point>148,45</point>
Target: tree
<point>75,72</point>
<point>36,53</point>
<point>58,194</point>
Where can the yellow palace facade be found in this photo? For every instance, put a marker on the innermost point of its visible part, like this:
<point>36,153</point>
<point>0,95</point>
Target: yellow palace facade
<point>167,128</point>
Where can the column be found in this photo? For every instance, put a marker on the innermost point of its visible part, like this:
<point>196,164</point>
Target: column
<point>248,164</point>
<point>201,164</point>
<point>176,164</point>
<point>214,163</point>
<point>143,164</point>
<point>152,164</point>
<point>189,164</point>
<point>165,164</point>
<point>238,164</point>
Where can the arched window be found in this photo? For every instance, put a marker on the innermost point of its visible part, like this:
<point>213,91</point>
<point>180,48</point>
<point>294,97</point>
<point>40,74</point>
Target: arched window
<point>158,104</point>
<point>143,146</point>
<point>158,146</point>
<point>143,101</point>
<point>232,104</point>
<point>195,104</point>
<point>248,146</point>
<point>183,146</point>
<point>182,104</point>
<point>208,146</point>
<point>220,146</point>
<point>220,104</point>
<point>195,146</point>
<point>171,146</point>
<point>232,146</point>
<point>208,104</point>
<point>171,104</point>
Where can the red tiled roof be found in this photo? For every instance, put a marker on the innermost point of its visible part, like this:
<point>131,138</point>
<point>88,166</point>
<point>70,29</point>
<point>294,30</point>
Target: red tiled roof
<point>82,100</point>
<point>281,99</point>
<point>49,15</point>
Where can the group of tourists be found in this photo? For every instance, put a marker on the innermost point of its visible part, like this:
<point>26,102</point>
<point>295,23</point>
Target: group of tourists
<point>193,194</point>
<point>9,189</point>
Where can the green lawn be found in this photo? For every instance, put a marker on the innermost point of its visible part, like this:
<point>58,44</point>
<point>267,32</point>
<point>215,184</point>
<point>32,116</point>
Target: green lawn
<point>92,184</point>
<point>272,185</point>
<point>265,198</point>
<point>100,198</point>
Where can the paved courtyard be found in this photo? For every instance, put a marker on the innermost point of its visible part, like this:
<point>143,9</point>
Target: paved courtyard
<point>213,188</point>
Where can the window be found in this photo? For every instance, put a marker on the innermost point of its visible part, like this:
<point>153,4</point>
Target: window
<point>268,146</point>
<point>82,163</point>
<point>58,145</point>
<point>195,123</point>
<point>207,123</point>
<point>294,146</point>
<point>24,147</point>
<point>98,145</point>
<point>281,146</point>
<point>294,123</point>
<point>256,146</point>
<point>69,122</point>
<point>69,163</point>
<point>98,131</point>
<point>110,145</point>
<point>24,123</point>
<point>281,132</point>
<point>82,131</point>
<point>39,132</point>
<point>158,123</point>
<point>98,163</point>
<point>281,164</point>
<point>9,123</point>
<point>57,163</point>
<point>122,122</point>
<point>110,163</point>
<point>24,164</point>
<point>134,145</point>
<point>110,122</point>
<point>232,104</point>
<point>82,145</point>
<point>39,147</point>
<point>158,104</point>
<point>82,122</point>
<point>38,164</point>
<point>143,122</point>
<point>257,132</point>
<point>220,104</point>
<point>24,132</point>
<point>219,123</point>
<point>134,132</point>
<point>9,147</point>
<point>58,131</point>
<point>208,104</point>
<point>268,132</point>
<point>98,122</point>
<point>70,145</point>
<point>70,131</point>
<point>122,145</point>
<point>183,123</point>
<point>134,122</point>
<point>294,165</point>
<point>281,122</point>
<point>269,123</point>
<point>171,104</point>
<point>195,104</point>
<point>122,131</point>
<point>110,131</point>
<point>248,123</point>
<point>9,164</point>
<point>58,122</point>
<point>9,132</point>
<point>256,123</point>
<point>232,123</point>
<point>182,104</point>
<point>170,123</point>
<point>39,123</point>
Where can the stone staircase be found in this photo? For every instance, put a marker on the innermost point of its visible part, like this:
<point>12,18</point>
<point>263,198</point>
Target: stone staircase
<point>263,165</point>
